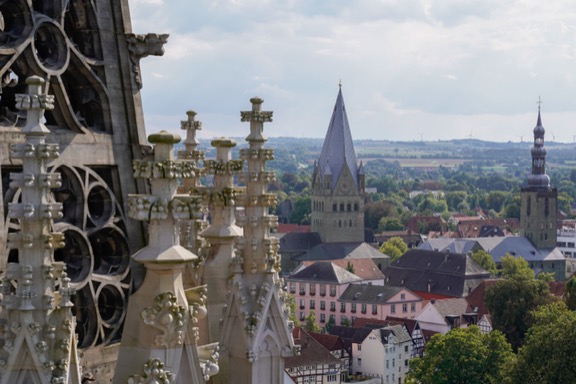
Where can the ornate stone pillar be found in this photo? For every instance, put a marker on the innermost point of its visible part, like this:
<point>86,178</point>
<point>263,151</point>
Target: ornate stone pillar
<point>256,336</point>
<point>159,340</point>
<point>36,325</point>
<point>220,236</point>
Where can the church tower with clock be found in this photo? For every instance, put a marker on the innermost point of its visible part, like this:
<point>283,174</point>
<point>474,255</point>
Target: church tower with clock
<point>538,198</point>
<point>338,184</point>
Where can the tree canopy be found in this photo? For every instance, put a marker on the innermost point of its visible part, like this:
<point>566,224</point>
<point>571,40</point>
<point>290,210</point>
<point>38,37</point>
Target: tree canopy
<point>512,299</point>
<point>394,247</point>
<point>463,355</point>
<point>548,356</point>
<point>483,259</point>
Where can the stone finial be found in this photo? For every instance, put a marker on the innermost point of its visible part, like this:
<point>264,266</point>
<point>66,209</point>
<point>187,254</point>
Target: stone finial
<point>35,102</point>
<point>164,137</point>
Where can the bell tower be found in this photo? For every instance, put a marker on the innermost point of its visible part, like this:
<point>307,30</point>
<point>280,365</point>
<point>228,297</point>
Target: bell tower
<point>338,183</point>
<point>538,198</point>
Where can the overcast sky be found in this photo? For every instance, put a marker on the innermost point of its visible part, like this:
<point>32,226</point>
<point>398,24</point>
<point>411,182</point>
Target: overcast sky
<point>410,69</point>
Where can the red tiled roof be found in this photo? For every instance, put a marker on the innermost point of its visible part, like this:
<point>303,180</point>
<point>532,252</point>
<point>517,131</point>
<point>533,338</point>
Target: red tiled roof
<point>293,228</point>
<point>431,296</point>
<point>328,341</point>
<point>311,352</point>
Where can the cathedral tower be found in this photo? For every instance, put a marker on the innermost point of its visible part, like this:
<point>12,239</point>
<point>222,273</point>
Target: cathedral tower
<point>338,184</point>
<point>538,199</point>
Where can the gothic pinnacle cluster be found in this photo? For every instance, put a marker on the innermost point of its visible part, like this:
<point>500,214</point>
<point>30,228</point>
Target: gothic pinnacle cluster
<point>37,328</point>
<point>160,343</point>
<point>256,335</point>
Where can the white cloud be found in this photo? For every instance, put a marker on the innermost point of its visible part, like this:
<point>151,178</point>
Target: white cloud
<point>437,67</point>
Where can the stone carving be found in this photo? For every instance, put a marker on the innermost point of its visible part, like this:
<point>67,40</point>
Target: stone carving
<point>167,316</point>
<point>141,46</point>
<point>153,372</point>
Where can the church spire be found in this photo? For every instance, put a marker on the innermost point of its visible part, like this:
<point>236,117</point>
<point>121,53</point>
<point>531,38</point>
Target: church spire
<point>538,179</point>
<point>338,147</point>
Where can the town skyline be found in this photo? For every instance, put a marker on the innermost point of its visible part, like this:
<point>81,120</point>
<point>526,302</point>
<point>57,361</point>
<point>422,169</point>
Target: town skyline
<point>410,70</point>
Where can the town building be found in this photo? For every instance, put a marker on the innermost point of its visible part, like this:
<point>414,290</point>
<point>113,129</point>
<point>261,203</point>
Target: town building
<point>383,352</point>
<point>317,288</point>
<point>314,363</point>
<point>377,302</point>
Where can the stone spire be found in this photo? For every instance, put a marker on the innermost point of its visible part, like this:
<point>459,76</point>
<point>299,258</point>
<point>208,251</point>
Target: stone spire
<point>538,179</point>
<point>338,184</point>
<point>220,236</point>
<point>159,341</point>
<point>37,327</point>
<point>338,148</point>
<point>256,335</point>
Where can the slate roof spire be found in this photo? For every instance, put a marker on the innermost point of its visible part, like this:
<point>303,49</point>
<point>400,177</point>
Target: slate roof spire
<point>538,178</point>
<point>338,147</point>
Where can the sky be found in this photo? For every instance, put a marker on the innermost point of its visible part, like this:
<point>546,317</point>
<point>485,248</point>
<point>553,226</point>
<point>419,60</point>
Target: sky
<point>410,69</point>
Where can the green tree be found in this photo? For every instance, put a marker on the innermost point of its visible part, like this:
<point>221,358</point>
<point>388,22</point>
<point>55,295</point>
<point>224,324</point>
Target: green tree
<point>394,247</point>
<point>302,210</point>
<point>515,267</point>
<point>330,324</point>
<point>390,224</point>
<point>511,301</point>
<point>310,324</point>
<point>463,355</point>
<point>548,356</point>
<point>483,259</point>
<point>570,295</point>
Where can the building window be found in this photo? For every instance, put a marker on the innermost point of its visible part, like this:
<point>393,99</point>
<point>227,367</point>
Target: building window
<point>356,207</point>
<point>387,364</point>
<point>322,318</point>
<point>332,306</point>
<point>359,347</point>
<point>413,307</point>
<point>302,288</point>
<point>341,207</point>
<point>349,207</point>
<point>359,361</point>
<point>292,287</point>
<point>342,307</point>
<point>363,308</point>
<point>312,289</point>
<point>322,305</point>
<point>332,290</point>
<point>353,307</point>
<point>312,304</point>
<point>332,378</point>
<point>332,318</point>
<point>334,207</point>
<point>302,317</point>
<point>404,308</point>
<point>393,308</point>
<point>374,309</point>
<point>402,296</point>
<point>344,320</point>
<point>322,289</point>
<point>406,348</point>
<point>302,304</point>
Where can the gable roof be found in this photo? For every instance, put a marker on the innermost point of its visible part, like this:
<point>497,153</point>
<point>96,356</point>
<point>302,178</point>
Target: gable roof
<point>372,294</point>
<point>364,268</point>
<point>299,241</point>
<point>338,148</point>
<point>328,341</point>
<point>444,273</point>
<point>334,251</point>
<point>498,247</point>
<point>311,352</point>
<point>325,271</point>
